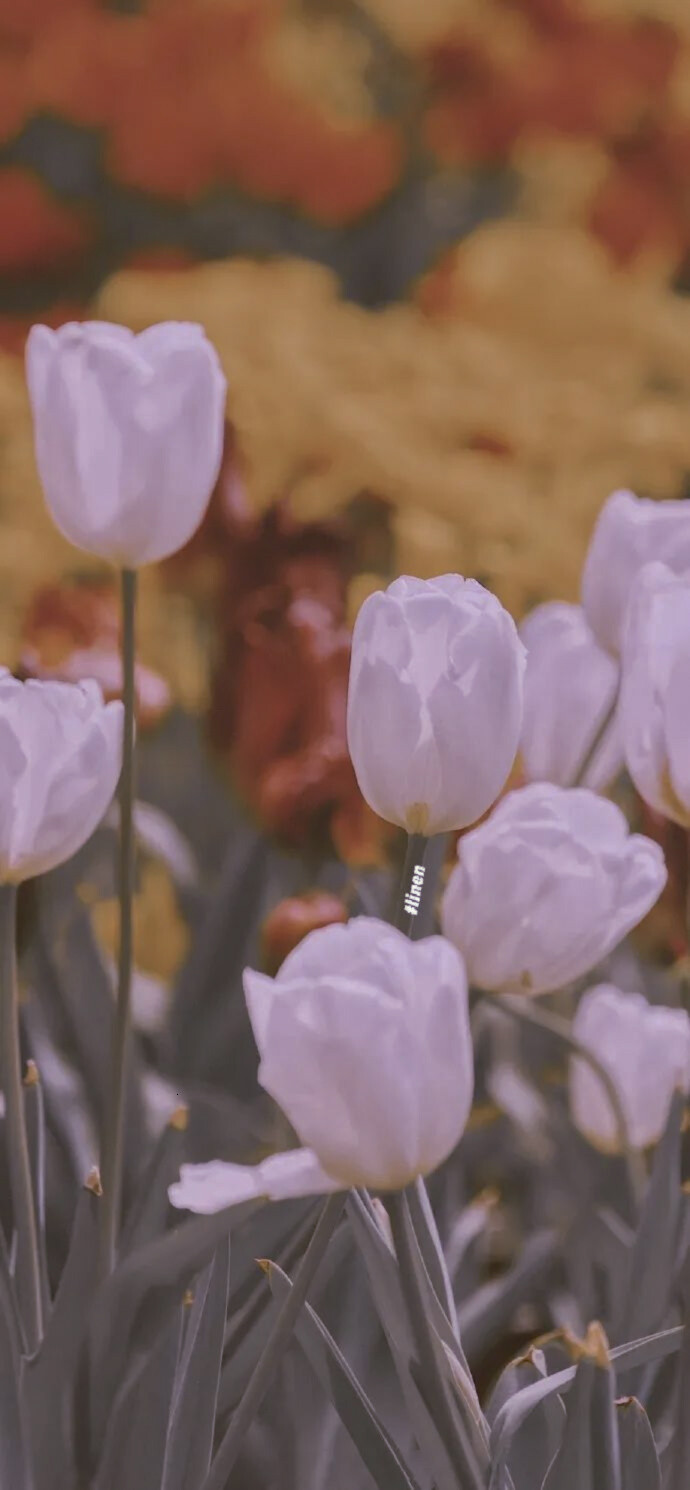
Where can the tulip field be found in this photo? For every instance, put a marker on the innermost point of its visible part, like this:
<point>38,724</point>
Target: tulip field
<point>345,745</point>
<point>383,1182</point>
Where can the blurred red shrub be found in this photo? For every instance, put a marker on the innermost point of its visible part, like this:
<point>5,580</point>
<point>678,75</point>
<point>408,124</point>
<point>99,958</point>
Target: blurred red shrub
<point>279,690</point>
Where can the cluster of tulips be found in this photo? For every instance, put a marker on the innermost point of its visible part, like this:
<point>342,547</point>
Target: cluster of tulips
<point>364,1034</point>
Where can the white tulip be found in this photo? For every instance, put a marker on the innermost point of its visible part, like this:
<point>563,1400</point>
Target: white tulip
<point>655,694</point>
<point>645,1049</point>
<point>629,533</point>
<point>128,432</point>
<point>365,1043</point>
<point>570,689</point>
<point>435,701</point>
<point>549,884</point>
<point>60,754</point>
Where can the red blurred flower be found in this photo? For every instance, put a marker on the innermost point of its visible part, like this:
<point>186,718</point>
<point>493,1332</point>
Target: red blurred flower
<point>292,919</point>
<point>279,691</point>
<point>72,631</point>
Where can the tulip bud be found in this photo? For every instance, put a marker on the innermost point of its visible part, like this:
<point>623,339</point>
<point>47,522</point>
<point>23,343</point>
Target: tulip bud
<point>292,919</point>
<point>630,532</point>
<point>645,1049</point>
<point>435,702</point>
<point>655,694</point>
<point>548,885</point>
<point>365,1043</point>
<point>60,754</point>
<point>570,688</point>
<point>128,432</point>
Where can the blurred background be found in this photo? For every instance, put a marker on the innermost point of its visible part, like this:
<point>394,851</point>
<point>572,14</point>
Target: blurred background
<point>443,249</point>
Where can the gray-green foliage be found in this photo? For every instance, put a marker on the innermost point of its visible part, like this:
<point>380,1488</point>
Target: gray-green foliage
<point>556,1355</point>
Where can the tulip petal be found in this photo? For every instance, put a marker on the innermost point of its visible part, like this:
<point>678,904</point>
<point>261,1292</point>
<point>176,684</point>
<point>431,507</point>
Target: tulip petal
<point>372,1063</point>
<point>546,887</point>
<point>129,433</point>
<point>207,1188</point>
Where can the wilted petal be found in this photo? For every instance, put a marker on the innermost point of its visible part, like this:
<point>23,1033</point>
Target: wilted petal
<point>207,1188</point>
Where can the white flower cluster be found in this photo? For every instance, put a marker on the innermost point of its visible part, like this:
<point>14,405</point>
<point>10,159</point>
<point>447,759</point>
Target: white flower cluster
<point>364,1036</point>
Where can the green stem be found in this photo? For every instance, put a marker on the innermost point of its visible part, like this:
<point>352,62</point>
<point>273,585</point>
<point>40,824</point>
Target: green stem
<point>28,1255</point>
<point>597,739</point>
<point>274,1349</point>
<point>519,1009</point>
<point>113,1140</point>
<point>405,918</point>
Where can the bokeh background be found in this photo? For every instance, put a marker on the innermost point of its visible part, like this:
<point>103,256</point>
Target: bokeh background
<point>443,249</point>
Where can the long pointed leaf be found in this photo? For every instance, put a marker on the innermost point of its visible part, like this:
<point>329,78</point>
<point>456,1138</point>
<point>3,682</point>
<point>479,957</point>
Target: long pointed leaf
<point>47,1376</point>
<point>374,1444</point>
<point>640,1468</point>
<point>190,1440</point>
<point>517,1409</point>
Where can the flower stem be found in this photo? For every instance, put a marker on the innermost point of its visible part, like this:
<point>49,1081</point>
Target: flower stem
<point>273,1351</point>
<point>597,739</point>
<point>518,1008</point>
<point>28,1256</point>
<point>113,1140</point>
<point>407,909</point>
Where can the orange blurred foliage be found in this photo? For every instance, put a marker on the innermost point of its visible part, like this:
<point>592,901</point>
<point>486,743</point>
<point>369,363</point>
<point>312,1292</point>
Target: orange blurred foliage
<point>189,100</point>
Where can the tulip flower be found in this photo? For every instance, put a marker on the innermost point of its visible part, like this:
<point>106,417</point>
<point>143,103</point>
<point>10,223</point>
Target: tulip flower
<point>645,1048</point>
<point>435,702</point>
<point>128,433</point>
<point>629,533</point>
<point>570,689</point>
<point>548,885</point>
<point>365,1044</point>
<point>655,697</point>
<point>60,753</point>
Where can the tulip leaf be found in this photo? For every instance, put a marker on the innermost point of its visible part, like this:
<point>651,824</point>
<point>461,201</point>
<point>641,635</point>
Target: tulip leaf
<point>678,1475</point>
<point>373,1442</point>
<point>572,1466</point>
<point>283,1230</point>
<point>640,1468</point>
<point>653,1263</point>
<point>148,1214</point>
<point>15,1473</point>
<point>386,1292</point>
<point>136,1434</point>
<point>606,1463</point>
<point>589,1454</point>
<point>488,1311</point>
<point>220,951</point>
<point>36,1138</point>
<point>515,1411</point>
<point>47,1376</point>
<point>468,1229</point>
<point>190,1439</point>
<point>134,1304</point>
<point>537,1441</point>
<point>429,1242</point>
